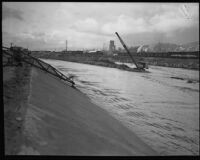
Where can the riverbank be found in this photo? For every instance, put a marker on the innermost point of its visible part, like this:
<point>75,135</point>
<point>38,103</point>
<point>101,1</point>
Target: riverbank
<point>56,119</point>
<point>187,63</point>
<point>109,61</point>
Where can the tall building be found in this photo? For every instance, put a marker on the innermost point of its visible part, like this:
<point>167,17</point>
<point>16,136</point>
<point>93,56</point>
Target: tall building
<point>104,47</point>
<point>111,46</point>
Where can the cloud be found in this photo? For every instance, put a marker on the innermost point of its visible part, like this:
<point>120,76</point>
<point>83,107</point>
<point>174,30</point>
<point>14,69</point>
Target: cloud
<point>169,22</point>
<point>39,34</point>
<point>12,13</point>
<point>125,25</point>
<point>167,19</point>
<point>86,25</point>
<point>92,24</point>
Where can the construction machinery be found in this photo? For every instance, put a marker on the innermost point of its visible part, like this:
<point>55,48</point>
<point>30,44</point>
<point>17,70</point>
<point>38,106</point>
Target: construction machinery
<point>140,66</point>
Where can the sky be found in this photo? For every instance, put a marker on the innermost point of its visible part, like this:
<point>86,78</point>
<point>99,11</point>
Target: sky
<point>47,25</point>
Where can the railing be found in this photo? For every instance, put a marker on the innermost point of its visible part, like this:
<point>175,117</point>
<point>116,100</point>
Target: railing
<point>27,58</point>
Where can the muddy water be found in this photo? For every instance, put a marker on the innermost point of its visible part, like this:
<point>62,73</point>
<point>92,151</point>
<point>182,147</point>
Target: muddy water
<point>161,107</point>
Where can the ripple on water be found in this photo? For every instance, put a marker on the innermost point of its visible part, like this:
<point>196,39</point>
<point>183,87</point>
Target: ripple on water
<point>158,133</point>
<point>157,124</point>
<point>99,92</point>
<point>137,115</point>
<point>112,91</point>
<point>183,138</point>
<point>124,106</point>
<point>88,83</point>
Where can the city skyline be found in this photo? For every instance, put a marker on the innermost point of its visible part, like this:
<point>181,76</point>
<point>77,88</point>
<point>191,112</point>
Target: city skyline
<point>45,25</point>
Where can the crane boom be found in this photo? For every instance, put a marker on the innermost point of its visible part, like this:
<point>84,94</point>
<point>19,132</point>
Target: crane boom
<point>122,42</point>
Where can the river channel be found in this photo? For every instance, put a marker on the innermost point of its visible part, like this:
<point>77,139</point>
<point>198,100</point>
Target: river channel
<point>161,107</point>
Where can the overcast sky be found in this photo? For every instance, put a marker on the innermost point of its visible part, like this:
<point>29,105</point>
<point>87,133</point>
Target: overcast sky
<point>45,25</point>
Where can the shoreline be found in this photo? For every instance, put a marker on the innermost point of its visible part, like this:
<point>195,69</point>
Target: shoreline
<point>129,69</point>
<point>191,64</point>
<point>60,120</point>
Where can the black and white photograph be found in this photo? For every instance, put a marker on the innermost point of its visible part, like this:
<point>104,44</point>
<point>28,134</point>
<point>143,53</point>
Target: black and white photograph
<point>100,78</point>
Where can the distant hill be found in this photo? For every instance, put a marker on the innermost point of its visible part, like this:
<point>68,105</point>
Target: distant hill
<point>192,46</point>
<point>166,47</point>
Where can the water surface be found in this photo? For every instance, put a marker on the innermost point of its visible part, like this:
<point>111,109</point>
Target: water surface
<point>161,107</point>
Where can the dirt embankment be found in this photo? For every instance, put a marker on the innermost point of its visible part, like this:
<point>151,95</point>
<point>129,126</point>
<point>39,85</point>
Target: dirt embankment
<point>15,93</point>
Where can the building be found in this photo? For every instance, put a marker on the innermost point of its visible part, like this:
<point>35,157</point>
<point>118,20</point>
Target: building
<point>111,47</point>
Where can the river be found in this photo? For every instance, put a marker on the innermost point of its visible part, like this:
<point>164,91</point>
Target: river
<point>161,107</point>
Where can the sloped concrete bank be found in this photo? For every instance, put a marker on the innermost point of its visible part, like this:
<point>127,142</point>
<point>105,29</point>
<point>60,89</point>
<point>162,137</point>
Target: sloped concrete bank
<point>60,120</point>
<point>16,82</point>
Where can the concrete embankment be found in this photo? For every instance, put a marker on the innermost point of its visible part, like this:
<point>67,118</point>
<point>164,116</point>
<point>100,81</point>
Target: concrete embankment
<point>15,92</point>
<point>60,120</point>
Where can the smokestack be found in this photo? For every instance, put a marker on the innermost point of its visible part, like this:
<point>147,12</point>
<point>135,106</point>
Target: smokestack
<point>66,45</point>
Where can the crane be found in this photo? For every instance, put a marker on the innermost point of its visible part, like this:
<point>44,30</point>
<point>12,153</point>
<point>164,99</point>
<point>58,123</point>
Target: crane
<point>142,64</point>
